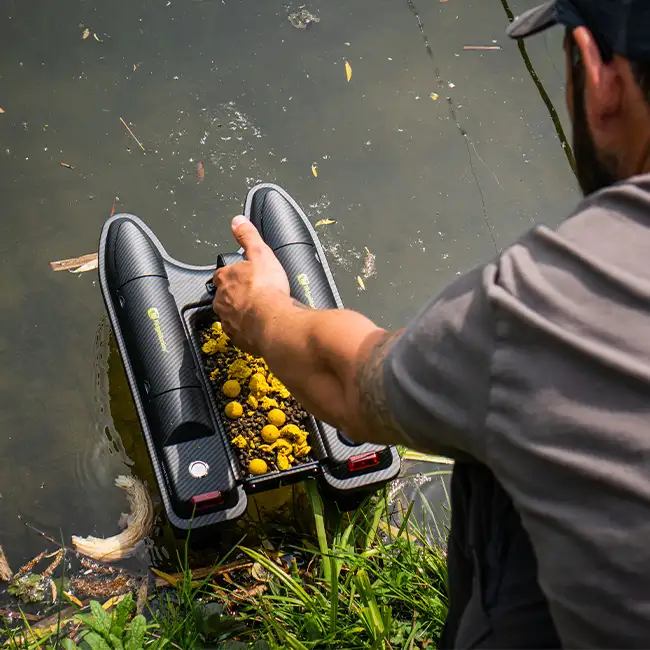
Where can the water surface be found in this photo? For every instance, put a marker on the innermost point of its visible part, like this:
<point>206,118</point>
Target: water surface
<point>233,85</point>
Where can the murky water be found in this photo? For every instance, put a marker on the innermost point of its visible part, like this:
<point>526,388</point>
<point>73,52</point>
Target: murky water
<point>233,85</point>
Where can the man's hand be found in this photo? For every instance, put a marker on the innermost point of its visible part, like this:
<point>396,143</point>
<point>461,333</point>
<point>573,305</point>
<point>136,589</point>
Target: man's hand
<point>331,360</point>
<point>243,289</point>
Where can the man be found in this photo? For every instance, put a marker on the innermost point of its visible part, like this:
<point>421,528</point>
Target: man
<point>532,371</point>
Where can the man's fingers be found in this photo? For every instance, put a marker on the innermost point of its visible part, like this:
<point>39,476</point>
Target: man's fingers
<point>247,237</point>
<point>218,275</point>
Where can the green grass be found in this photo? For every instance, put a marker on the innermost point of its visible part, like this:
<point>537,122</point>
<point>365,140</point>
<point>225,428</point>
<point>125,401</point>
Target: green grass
<point>362,583</point>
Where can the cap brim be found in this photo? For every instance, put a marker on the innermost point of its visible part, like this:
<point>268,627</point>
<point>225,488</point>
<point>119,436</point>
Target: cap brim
<point>533,21</point>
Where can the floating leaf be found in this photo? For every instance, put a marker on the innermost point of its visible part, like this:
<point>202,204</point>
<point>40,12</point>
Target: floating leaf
<point>165,576</point>
<point>85,34</point>
<point>361,283</point>
<point>348,70</point>
<point>135,67</point>
<point>200,170</point>
<point>314,170</point>
<point>2,110</point>
<point>73,599</point>
<point>114,600</point>
<point>434,96</point>
<point>97,38</point>
<point>66,165</point>
<point>325,222</point>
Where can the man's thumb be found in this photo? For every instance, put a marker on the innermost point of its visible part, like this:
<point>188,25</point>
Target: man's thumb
<point>247,236</point>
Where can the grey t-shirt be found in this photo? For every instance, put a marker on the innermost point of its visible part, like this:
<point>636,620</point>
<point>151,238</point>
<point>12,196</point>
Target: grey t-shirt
<point>538,366</point>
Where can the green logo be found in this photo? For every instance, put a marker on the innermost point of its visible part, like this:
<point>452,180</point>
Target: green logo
<point>303,281</point>
<point>154,315</point>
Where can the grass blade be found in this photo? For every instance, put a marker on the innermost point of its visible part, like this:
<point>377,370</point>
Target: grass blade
<point>317,508</point>
<point>284,635</point>
<point>372,532</point>
<point>334,595</point>
<point>405,519</point>
<point>365,591</point>
<point>408,644</point>
<point>426,458</point>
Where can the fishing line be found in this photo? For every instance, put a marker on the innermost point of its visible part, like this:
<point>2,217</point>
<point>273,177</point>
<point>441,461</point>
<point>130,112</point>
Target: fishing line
<point>454,117</point>
<point>555,118</point>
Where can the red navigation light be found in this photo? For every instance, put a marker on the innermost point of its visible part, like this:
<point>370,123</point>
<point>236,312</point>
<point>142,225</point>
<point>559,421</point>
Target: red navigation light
<point>207,500</point>
<point>363,461</point>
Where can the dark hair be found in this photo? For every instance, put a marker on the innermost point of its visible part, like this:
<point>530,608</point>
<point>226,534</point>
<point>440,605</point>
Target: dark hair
<point>577,68</point>
<point>641,72</point>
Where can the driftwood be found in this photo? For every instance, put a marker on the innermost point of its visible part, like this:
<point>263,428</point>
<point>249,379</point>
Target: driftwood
<point>14,614</point>
<point>482,47</point>
<point>138,524</point>
<point>170,579</point>
<point>74,262</point>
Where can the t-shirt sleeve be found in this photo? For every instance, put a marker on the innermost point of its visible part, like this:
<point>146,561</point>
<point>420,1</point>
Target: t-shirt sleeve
<point>437,375</point>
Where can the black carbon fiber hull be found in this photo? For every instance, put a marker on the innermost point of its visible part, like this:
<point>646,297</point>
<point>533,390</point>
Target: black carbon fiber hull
<point>156,306</point>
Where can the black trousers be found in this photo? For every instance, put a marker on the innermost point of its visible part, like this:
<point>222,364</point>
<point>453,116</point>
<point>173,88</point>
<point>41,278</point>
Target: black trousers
<point>495,598</point>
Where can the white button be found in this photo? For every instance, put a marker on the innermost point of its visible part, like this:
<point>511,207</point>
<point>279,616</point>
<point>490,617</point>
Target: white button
<point>199,468</point>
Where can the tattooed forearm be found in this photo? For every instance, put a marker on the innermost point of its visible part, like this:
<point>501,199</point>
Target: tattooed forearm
<point>375,413</point>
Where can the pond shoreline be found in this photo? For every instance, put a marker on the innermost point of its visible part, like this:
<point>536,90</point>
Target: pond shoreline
<point>321,585</point>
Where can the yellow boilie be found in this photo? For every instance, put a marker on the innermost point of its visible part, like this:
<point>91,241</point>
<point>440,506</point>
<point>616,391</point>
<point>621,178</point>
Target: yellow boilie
<point>260,413</point>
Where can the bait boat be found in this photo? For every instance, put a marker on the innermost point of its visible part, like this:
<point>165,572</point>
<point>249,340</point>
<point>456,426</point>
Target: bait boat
<point>157,306</point>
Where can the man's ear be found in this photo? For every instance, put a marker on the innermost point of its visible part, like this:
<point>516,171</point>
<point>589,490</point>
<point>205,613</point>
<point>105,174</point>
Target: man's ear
<point>602,81</point>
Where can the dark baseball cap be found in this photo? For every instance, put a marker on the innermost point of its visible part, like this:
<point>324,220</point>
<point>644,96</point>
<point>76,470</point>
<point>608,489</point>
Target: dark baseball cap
<point>623,26</point>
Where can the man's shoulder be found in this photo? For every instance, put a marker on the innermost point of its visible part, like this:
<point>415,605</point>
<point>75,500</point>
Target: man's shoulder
<point>612,225</point>
<point>600,250</point>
